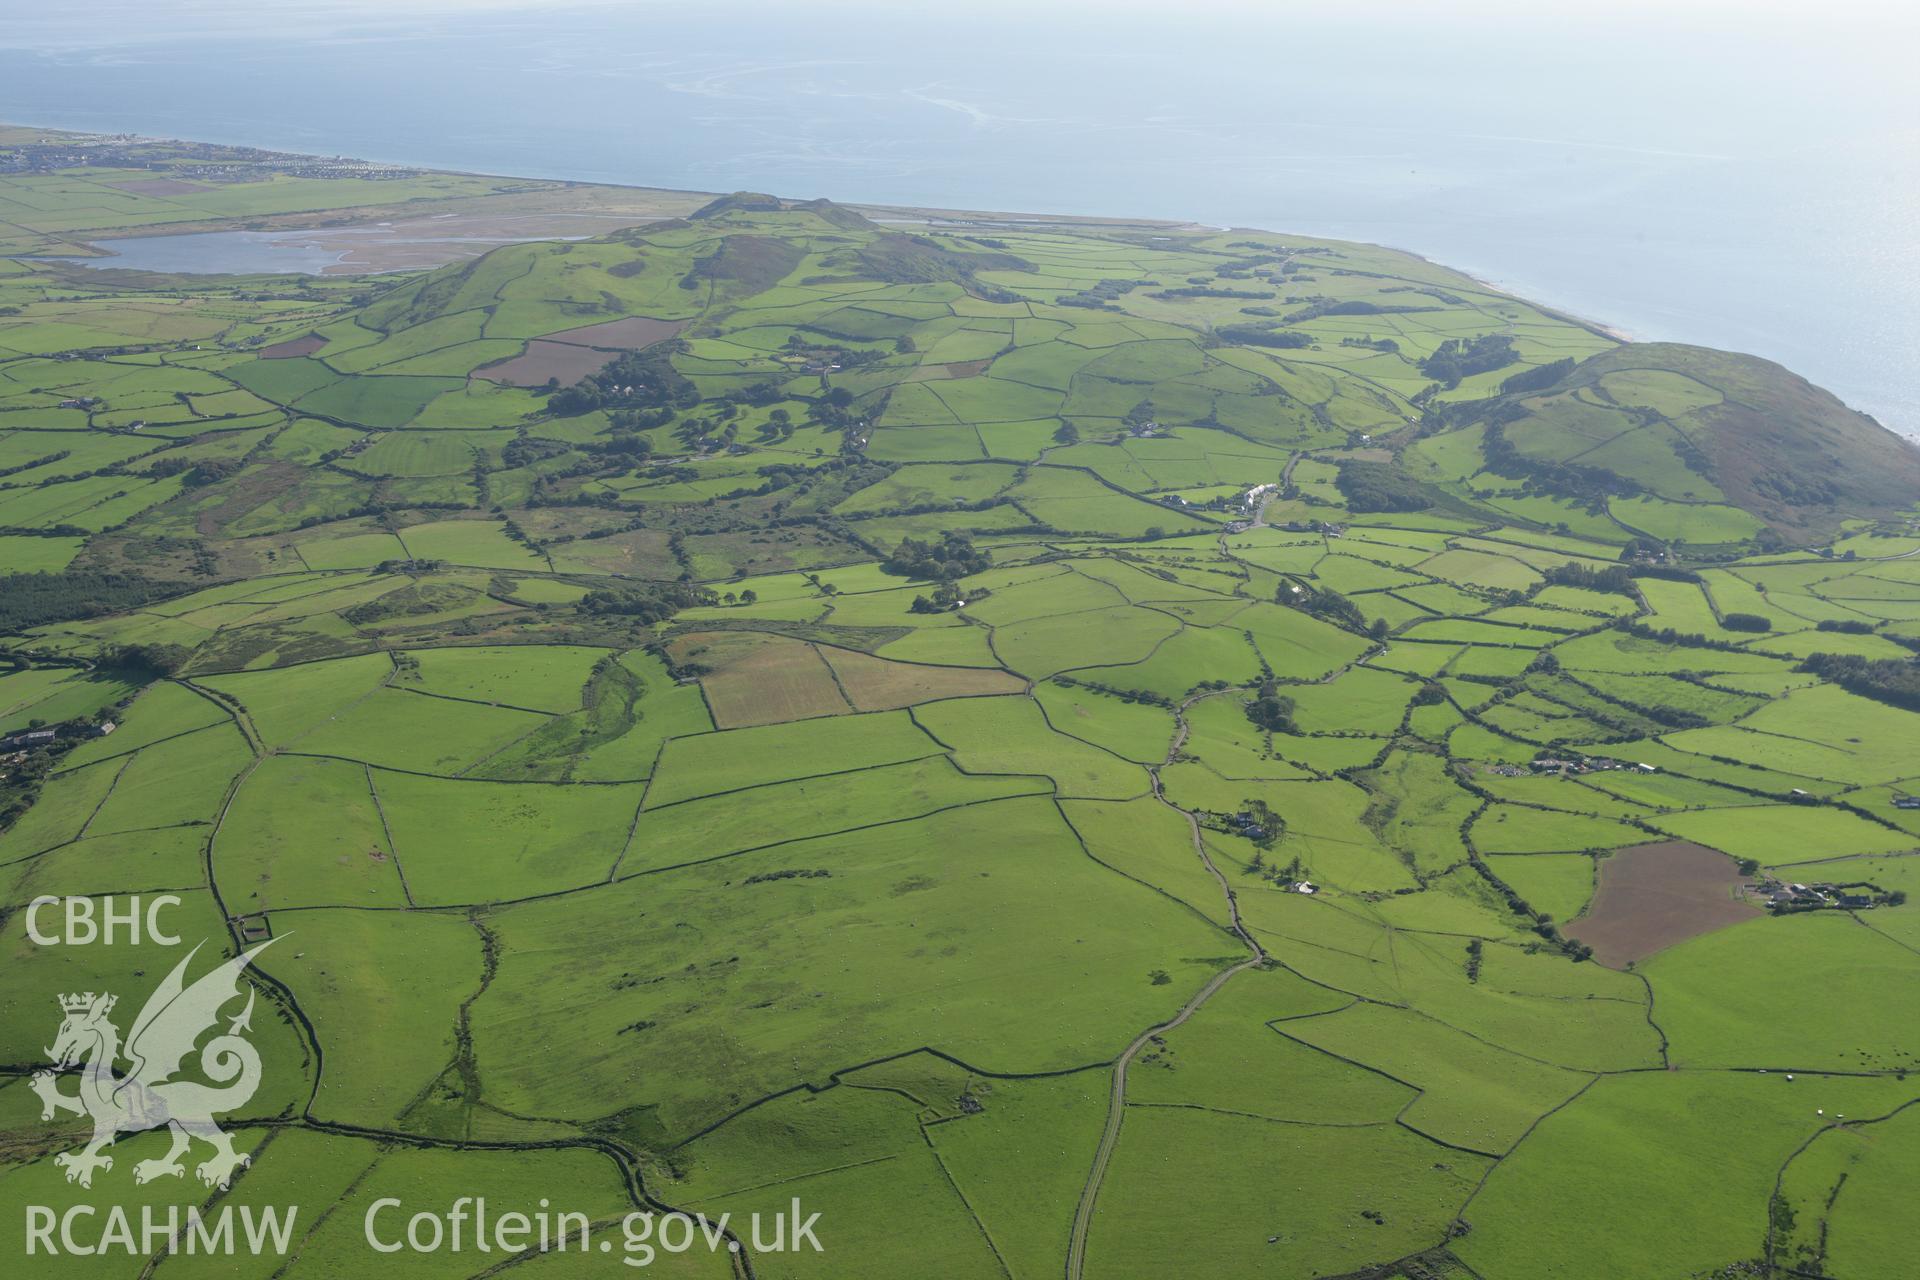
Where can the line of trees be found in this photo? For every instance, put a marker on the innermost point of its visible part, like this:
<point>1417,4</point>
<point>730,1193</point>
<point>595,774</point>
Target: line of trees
<point>1895,681</point>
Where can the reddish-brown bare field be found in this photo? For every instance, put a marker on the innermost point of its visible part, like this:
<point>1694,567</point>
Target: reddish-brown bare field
<point>543,360</point>
<point>631,334</point>
<point>304,346</point>
<point>877,684</point>
<point>157,186</point>
<point>1654,895</point>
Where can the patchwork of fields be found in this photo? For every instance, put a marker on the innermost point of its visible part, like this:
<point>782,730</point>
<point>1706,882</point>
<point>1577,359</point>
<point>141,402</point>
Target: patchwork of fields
<point>1071,749</point>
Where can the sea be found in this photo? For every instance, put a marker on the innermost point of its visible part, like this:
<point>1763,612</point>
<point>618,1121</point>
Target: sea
<point>1744,176</point>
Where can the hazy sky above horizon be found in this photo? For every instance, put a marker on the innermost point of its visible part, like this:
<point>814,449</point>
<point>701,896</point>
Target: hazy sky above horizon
<point>82,23</point>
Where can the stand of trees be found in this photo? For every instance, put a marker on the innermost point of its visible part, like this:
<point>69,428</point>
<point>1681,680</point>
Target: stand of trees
<point>1253,335</point>
<point>954,556</point>
<point>636,380</point>
<point>34,599</point>
<point>1324,604</point>
<point>1538,378</point>
<point>146,661</point>
<point>1100,297</point>
<point>946,598</point>
<point>1376,486</point>
<point>1460,358</point>
<point>1893,681</point>
<point>1271,709</point>
<point>1615,578</point>
<point>649,602</point>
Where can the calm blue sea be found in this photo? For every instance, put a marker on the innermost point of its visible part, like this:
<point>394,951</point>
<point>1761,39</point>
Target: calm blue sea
<point>1716,174</point>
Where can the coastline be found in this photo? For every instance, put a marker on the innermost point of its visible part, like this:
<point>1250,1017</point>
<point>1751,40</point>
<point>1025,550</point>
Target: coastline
<point>639,202</point>
<point>1613,331</point>
<point>324,224</point>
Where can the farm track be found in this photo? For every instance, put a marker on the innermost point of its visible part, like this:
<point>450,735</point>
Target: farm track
<point>1117,1100</point>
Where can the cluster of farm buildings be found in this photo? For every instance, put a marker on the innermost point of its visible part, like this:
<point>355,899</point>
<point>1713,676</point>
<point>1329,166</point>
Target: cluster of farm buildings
<point>1781,895</point>
<point>15,746</point>
<point>1567,767</point>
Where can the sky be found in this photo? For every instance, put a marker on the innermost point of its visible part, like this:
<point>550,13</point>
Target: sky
<point>77,23</point>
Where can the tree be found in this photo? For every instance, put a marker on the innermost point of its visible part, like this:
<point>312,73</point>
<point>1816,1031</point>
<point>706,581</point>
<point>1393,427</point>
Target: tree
<point>946,598</point>
<point>1270,709</point>
<point>1375,486</point>
<point>1327,604</point>
<point>154,660</point>
<point>954,556</point>
<point>649,603</point>
<point>1458,358</point>
<point>1613,578</point>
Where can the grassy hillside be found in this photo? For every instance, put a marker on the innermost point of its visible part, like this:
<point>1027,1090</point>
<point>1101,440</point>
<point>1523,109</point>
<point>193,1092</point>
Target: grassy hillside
<point>1664,426</point>
<point>1070,749</point>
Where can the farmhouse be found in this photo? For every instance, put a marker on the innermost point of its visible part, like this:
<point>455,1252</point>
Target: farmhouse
<point>27,738</point>
<point>1795,897</point>
<point>1579,764</point>
<point>1246,824</point>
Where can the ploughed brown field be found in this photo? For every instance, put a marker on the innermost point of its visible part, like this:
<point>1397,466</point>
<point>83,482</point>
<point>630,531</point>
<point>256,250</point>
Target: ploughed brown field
<point>572,354</point>
<point>543,360</point>
<point>631,334</point>
<point>304,346</point>
<point>1654,895</point>
<point>956,369</point>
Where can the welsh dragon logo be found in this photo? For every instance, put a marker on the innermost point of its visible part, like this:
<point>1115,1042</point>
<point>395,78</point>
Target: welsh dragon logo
<point>157,1048</point>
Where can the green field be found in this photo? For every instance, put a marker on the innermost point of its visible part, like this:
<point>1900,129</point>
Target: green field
<point>1056,744</point>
